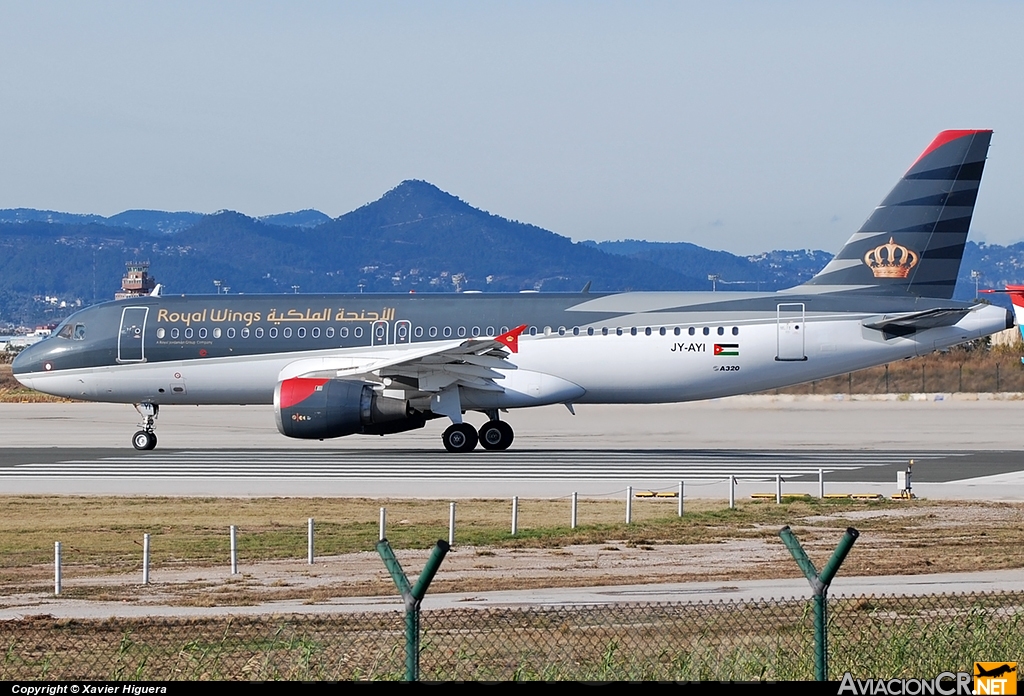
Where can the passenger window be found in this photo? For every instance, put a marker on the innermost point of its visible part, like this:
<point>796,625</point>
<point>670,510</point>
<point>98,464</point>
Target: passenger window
<point>216,332</point>
<point>575,331</point>
<point>300,332</point>
<point>174,333</point>
<point>691,331</point>
<point>433,331</point>
<point>475,331</point>
<point>590,330</point>
<point>721,330</point>
<point>330,332</point>
<point>231,333</point>
<point>343,332</point>
<point>418,332</point>
<point>462,332</point>
<point>632,331</point>
<point>159,333</point>
<point>490,330</point>
<point>533,330</point>
<point>735,331</point>
<point>561,330</point>
<point>286,332</point>
<point>202,332</point>
<point>245,332</point>
<point>707,331</point>
<point>504,329</point>
<point>315,332</point>
<point>258,332</point>
<point>677,331</point>
<point>618,330</point>
<point>273,332</point>
<point>188,332</point>
<point>604,330</point>
<point>447,332</point>
<point>647,331</point>
<point>357,332</point>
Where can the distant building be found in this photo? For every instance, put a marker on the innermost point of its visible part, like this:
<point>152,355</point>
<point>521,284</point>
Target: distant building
<point>136,282</point>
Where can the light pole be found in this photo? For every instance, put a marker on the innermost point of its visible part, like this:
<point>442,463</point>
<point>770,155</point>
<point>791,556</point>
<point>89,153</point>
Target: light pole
<point>295,289</point>
<point>216,284</point>
<point>976,277</point>
<point>713,277</point>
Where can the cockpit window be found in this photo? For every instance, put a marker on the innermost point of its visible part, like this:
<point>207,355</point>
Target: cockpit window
<point>79,332</point>
<point>65,331</point>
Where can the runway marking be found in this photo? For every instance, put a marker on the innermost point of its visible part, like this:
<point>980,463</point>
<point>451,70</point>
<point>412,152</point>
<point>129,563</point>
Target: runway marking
<point>528,464</point>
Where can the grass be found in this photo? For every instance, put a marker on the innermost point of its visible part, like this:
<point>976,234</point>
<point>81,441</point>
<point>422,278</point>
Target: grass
<point>875,637</point>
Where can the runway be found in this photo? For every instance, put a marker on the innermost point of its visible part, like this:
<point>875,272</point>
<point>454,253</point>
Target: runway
<point>961,449</point>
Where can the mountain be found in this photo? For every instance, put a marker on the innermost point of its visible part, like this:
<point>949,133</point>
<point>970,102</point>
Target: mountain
<point>416,237</point>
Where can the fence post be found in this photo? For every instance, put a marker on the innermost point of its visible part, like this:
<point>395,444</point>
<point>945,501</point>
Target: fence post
<point>451,524</point>
<point>778,489</point>
<point>515,514</point>
<point>572,517</point>
<point>56,567</point>
<point>383,523</point>
<point>234,550</point>
<point>145,559</point>
<point>629,504</point>
<point>680,498</point>
<point>732,491</point>
<point>413,598</point>
<point>819,586</point>
<point>309,541</point>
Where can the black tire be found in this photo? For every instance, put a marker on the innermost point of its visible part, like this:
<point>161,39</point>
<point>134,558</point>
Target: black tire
<point>141,441</point>
<point>459,437</point>
<point>496,435</point>
<point>152,441</point>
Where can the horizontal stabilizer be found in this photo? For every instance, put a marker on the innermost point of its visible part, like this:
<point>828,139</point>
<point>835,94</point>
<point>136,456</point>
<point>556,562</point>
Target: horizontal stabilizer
<point>907,324</point>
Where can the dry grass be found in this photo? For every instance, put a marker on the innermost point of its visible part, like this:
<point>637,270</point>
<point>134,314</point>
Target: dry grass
<point>101,541</point>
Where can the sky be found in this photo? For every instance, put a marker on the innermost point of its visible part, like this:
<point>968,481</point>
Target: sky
<point>743,126</point>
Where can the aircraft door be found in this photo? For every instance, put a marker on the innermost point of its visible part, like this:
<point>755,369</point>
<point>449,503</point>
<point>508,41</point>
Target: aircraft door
<point>379,333</point>
<point>130,338</point>
<point>791,329</point>
<point>402,331</point>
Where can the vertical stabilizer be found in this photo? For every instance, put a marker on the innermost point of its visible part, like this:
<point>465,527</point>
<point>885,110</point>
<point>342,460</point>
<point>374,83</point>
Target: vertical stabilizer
<point>914,240</point>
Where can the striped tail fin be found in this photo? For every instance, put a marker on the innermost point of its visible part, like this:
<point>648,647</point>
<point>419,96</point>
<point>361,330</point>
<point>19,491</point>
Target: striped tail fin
<point>914,240</point>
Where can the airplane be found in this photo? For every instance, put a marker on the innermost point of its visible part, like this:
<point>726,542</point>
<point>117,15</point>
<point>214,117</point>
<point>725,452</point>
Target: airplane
<point>378,364</point>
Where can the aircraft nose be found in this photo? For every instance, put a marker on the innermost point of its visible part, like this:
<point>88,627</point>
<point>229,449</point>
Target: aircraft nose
<point>28,361</point>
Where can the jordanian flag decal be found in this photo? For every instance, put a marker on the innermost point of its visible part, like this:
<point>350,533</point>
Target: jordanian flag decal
<point>727,349</point>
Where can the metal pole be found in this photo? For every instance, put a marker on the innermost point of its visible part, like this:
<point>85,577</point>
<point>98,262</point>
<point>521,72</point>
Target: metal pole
<point>56,567</point>
<point>451,524</point>
<point>680,498</point>
<point>309,541</point>
<point>732,491</point>
<point>383,523</point>
<point>629,504</point>
<point>234,550</point>
<point>821,484</point>
<point>145,559</point>
<point>572,517</point>
<point>778,489</point>
<point>515,514</point>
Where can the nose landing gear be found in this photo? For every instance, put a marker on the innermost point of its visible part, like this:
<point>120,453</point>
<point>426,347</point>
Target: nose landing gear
<point>145,439</point>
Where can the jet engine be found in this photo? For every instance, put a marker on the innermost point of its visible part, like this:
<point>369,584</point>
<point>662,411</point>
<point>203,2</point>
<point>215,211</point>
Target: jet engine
<point>316,409</point>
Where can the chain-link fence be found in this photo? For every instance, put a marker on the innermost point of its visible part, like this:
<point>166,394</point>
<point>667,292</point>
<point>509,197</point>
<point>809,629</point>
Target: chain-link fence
<point>870,637</point>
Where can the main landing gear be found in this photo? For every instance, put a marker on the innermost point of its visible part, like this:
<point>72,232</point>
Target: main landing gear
<point>493,435</point>
<point>145,439</point>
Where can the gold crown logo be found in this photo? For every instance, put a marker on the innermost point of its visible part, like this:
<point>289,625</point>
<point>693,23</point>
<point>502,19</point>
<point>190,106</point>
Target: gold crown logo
<point>891,260</point>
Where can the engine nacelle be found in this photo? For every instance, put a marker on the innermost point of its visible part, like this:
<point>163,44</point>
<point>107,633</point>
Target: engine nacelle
<point>316,409</point>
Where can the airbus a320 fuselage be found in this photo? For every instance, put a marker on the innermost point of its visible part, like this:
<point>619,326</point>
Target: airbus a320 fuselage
<point>336,365</point>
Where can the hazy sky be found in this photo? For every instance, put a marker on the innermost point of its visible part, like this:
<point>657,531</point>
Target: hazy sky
<point>742,126</point>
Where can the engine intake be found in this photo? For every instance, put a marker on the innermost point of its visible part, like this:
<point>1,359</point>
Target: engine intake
<point>316,409</point>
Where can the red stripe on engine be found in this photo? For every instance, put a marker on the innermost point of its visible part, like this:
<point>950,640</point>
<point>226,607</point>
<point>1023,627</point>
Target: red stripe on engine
<point>298,389</point>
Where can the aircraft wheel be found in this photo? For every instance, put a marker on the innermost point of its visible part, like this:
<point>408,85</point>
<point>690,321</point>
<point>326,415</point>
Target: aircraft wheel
<point>459,437</point>
<point>143,440</point>
<point>496,435</point>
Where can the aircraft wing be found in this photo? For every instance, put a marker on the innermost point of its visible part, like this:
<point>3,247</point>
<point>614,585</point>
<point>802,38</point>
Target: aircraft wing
<point>471,363</point>
<point>906,324</point>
